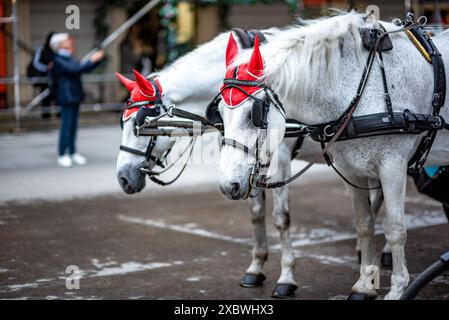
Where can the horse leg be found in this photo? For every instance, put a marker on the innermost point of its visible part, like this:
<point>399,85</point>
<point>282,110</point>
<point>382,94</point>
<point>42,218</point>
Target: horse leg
<point>376,200</point>
<point>286,284</point>
<point>254,276</point>
<point>393,179</point>
<point>364,221</point>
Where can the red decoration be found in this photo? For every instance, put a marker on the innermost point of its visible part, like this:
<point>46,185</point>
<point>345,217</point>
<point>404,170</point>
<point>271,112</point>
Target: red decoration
<point>251,71</point>
<point>140,90</point>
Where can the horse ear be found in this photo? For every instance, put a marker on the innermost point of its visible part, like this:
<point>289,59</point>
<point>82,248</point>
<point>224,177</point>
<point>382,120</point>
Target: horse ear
<point>144,84</point>
<point>231,50</point>
<point>129,84</point>
<point>255,65</point>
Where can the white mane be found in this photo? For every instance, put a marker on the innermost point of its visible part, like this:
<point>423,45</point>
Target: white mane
<point>207,49</point>
<point>300,56</point>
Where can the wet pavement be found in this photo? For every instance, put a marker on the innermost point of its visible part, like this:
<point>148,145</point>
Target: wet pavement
<point>194,246</point>
<point>182,242</point>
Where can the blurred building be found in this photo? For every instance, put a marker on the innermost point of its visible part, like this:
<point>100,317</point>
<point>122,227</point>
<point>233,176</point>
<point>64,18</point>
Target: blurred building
<point>169,30</point>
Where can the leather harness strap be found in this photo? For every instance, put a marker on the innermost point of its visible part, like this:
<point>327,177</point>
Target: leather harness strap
<point>247,37</point>
<point>405,122</point>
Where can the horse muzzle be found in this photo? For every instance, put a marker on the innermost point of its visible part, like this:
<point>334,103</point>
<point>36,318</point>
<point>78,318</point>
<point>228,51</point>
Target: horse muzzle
<point>131,181</point>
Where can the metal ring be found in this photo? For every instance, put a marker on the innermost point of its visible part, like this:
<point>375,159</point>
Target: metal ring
<point>325,131</point>
<point>424,18</point>
<point>170,110</point>
<point>397,22</point>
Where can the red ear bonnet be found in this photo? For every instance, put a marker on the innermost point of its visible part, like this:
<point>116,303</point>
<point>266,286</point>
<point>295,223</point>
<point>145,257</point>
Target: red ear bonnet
<point>140,90</point>
<point>255,66</point>
<point>251,71</point>
<point>145,86</point>
<point>231,51</point>
<point>129,84</point>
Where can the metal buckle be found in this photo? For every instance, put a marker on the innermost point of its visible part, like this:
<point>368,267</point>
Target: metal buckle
<point>170,111</point>
<point>326,133</point>
<point>438,122</point>
<point>253,181</point>
<point>436,100</point>
<point>136,131</point>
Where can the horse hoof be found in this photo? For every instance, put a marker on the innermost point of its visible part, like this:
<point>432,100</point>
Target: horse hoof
<point>361,296</point>
<point>250,280</point>
<point>359,255</point>
<point>284,290</point>
<point>387,260</point>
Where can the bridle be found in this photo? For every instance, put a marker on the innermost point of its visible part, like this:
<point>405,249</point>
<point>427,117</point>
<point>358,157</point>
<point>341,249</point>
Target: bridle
<point>259,115</point>
<point>146,108</point>
<point>152,108</point>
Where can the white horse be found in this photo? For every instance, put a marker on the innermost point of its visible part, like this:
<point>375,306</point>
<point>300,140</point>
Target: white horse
<point>191,82</point>
<point>316,70</point>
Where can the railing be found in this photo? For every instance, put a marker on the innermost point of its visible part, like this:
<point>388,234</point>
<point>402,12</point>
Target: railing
<point>17,80</point>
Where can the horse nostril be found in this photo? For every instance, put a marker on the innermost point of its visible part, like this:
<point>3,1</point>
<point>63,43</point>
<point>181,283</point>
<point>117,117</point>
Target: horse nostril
<point>235,188</point>
<point>126,185</point>
<point>124,182</point>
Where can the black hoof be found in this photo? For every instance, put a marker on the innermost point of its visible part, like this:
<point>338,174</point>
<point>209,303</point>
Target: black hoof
<point>252,280</point>
<point>386,260</point>
<point>284,290</point>
<point>359,255</point>
<point>361,296</point>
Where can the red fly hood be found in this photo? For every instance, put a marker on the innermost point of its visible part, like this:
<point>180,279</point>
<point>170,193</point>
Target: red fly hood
<point>251,71</point>
<point>140,90</point>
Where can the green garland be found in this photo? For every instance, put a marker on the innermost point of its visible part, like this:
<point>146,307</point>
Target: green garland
<point>168,14</point>
<point>293,4</point>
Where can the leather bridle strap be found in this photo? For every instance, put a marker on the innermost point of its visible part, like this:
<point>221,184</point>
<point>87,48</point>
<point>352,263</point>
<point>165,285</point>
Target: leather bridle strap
<point>146,153</point>
<point>152,175</point>
<point>237,145</point>
<point>133,151</point>
<point>173,111</point>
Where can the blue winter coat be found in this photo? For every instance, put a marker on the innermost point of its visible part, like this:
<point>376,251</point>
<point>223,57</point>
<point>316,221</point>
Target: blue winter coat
<point>66,78</point>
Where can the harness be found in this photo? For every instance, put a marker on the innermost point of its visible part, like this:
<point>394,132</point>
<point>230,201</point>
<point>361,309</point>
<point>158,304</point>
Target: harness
<point>247,37</point>
<point>390,122</point>
<point>349,127</point>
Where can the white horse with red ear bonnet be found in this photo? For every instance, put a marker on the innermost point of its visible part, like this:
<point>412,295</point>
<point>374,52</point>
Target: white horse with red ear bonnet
<point>316,71</point>
<point>234,170</point>
<point>128,163</point>
<point>191,82</point>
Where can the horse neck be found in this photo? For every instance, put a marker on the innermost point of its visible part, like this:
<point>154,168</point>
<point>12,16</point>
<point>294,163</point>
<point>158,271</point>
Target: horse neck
<point>195,78</point>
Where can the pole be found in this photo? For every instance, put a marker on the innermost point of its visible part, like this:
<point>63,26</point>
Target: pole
<point>125,26</point>
<point>15,31</point>
<point>105,43</point>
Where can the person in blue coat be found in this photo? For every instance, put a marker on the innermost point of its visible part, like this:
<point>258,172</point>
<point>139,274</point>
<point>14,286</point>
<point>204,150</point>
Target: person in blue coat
<point>66,74</point>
